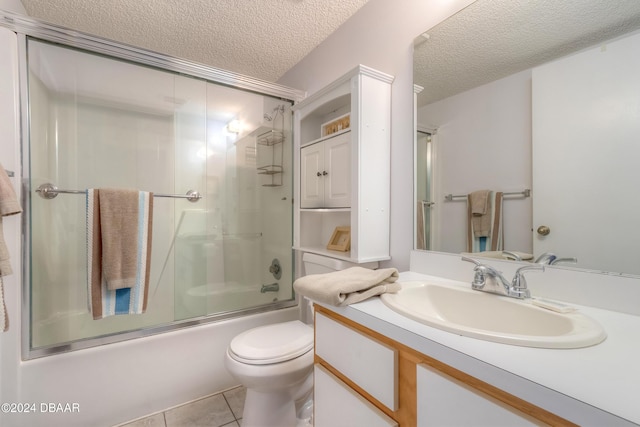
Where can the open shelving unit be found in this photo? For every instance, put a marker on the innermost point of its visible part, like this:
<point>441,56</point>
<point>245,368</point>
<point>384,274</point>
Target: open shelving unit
<point>352,117</point>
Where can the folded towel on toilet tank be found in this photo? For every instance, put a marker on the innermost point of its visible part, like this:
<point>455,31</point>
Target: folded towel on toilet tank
<point>344,287</point>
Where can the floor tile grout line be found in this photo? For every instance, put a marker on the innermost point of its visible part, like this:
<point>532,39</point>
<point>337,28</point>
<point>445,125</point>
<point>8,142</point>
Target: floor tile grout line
<point>230,408</point>
<point>164,412</point>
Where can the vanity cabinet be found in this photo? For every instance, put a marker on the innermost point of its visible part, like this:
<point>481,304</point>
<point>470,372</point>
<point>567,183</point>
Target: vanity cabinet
<point>325,178</point>
<point>407,387</point>
<point>342,144</point>
<point>443,400</point>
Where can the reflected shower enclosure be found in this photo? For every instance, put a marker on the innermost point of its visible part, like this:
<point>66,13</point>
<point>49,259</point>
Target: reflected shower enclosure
<point>100,122</point>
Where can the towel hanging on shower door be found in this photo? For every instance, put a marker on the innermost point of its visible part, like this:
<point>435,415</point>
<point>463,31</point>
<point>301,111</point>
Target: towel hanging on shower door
<point>484,221</point>
<point>9,205</point>
<point>119,229</point>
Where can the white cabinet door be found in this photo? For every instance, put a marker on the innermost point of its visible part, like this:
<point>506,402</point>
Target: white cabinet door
<point>337,405</point>
<point>337,173</point>
<point>325,173</point>
<point>312,181</point>
<point>444,401</point>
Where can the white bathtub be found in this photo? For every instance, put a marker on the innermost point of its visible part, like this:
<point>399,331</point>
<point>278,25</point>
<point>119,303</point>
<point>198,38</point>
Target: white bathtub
<point>223,297</point>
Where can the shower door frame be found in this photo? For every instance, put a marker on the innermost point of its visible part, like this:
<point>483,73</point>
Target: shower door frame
<point>26,27</point>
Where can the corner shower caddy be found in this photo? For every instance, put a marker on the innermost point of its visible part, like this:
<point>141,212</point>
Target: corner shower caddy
<point>271,138</point>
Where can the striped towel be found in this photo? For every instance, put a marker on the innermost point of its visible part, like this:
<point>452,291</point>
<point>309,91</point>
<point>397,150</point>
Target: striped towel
<point>491,238</point>
<point>102,300</point>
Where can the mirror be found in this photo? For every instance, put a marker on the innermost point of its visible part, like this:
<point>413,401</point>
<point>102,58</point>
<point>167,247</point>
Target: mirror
<point>515,97</point>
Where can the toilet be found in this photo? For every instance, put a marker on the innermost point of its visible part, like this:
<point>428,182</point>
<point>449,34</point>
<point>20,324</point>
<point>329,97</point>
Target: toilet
<point>275,363</point>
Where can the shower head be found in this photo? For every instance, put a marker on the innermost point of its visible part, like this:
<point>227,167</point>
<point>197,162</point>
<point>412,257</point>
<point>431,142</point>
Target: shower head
<point>276,110</point>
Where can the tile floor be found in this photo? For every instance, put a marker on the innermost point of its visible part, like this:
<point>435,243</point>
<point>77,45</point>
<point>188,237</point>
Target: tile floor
<point>220,410</point>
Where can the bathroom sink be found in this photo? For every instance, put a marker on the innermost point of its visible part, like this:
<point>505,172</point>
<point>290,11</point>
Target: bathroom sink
<point>490,317</point>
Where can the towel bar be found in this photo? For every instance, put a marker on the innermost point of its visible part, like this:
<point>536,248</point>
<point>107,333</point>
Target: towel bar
<point>50,191</point>
<point>524,193</point>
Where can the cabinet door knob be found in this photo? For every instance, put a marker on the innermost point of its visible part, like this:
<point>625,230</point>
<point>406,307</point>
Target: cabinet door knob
<point>325,173</point>
<point>318,174</point>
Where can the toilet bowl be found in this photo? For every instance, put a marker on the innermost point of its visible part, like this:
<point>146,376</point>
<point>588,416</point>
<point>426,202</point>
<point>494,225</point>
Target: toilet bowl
<point>275,362</point>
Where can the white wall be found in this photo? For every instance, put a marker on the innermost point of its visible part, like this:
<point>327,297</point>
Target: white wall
<point>12,6</point>
<point>381,36</point>
<point>10,159</point>
<point>483,141</point>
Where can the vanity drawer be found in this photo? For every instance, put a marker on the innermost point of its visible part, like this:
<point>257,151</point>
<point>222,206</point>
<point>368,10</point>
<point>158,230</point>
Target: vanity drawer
<point>336,404</point>
<point>368,363</point>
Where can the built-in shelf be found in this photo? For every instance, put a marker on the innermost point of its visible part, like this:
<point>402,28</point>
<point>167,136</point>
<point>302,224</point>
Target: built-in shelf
<point>324,138</point>
<point>345,256</point>
<point>320,210</point>
<point>343,179</point>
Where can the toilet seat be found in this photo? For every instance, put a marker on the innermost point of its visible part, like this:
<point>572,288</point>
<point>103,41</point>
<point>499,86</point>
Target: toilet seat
<point>272,343</point>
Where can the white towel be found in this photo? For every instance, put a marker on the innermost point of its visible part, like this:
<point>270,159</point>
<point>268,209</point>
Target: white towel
<point>344,287</point>
<point>9,205</point>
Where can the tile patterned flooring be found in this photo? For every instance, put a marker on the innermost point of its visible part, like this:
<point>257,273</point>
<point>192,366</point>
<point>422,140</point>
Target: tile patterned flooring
<point>220,410</point>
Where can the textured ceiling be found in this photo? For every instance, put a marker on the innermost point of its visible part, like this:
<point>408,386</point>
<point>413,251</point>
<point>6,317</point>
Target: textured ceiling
<point>258,38</point>
<point>491,39</point>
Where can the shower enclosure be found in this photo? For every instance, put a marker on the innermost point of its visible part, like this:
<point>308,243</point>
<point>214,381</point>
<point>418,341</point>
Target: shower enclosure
<point>97,121</point>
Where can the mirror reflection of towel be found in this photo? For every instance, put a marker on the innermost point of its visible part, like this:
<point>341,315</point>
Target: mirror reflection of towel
<point>483,239</point>
<point>480,212</point>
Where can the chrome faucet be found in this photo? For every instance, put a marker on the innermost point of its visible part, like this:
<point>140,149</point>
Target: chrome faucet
<point>488,279</point>
<point>564,260</point>
<point>512,255</point>
<point>546,258</point>
<point>273,287</point>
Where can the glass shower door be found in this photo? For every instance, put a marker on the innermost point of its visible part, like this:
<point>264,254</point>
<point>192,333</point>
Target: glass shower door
<point>98,122</point>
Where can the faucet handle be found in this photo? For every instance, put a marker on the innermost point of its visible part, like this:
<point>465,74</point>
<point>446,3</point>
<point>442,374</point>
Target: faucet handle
<point>519,283</point>
<point>476,262</point>
<point>478,278</point>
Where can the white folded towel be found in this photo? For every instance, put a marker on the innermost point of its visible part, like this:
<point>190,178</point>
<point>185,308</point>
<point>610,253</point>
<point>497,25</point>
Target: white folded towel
<point>344,287</point>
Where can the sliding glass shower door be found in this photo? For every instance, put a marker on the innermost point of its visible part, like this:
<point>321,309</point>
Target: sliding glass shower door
<point>99,122</point>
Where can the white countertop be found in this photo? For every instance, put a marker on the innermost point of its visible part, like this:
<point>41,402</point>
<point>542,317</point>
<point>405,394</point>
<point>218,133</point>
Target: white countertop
<point>598,385</point>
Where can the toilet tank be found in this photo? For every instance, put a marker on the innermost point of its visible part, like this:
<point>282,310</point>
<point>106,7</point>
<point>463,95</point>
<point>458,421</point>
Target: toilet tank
<point>318,264</point>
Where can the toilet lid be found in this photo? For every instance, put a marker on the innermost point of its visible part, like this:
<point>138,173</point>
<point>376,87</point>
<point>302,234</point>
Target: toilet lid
<point>272,343</point>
